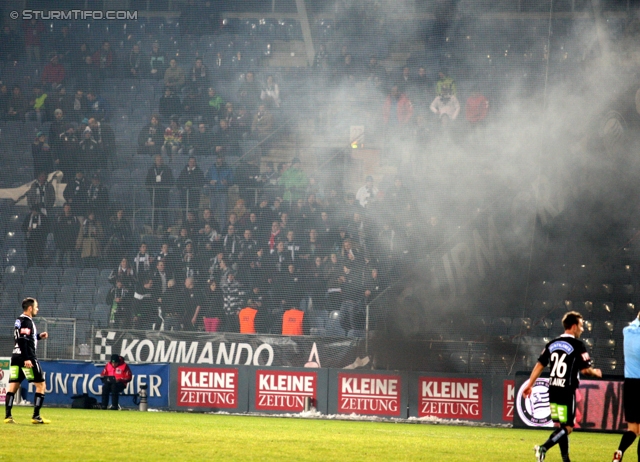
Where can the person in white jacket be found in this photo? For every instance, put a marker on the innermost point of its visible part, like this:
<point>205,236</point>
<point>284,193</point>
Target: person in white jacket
<point>270,94</point>
<point>446,106</point>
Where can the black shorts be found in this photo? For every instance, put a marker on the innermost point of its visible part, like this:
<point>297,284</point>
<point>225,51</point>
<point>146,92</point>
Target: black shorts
<point>18,373</point>
<point>631,400</point>
<point>563,406</point>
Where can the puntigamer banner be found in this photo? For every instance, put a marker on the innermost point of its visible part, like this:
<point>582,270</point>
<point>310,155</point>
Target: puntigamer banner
<point>226,349</point>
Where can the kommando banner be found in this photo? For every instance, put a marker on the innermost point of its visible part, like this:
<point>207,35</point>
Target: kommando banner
<point>227,349</point>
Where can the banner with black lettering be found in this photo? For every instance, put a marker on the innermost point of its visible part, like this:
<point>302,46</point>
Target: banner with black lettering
<point>64,379</point>
<point>227,349</point>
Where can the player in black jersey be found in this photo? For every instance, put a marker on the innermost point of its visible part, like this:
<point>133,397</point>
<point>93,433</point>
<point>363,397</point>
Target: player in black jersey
<point>24,363</point>
<point>567,357</point>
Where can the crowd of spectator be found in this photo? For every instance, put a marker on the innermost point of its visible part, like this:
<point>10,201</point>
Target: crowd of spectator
<point>302,245</point>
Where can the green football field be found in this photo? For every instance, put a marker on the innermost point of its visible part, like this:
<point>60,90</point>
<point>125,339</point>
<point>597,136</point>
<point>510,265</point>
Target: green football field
<point>130,435</point>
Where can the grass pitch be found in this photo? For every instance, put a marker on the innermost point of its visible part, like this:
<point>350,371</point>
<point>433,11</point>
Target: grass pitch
<point>87,435</point>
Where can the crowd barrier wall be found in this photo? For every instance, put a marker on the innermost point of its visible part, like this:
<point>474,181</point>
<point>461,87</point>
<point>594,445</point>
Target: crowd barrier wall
<point>491,399</point>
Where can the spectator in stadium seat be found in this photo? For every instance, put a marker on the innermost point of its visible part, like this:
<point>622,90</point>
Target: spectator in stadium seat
<point>119,238</point>
<point>294,180</point>
<point>189,264</point>
<point>278,261</point>
<point>191,105</point>
<point>403,81</point>
<point>120,298</point>
<point>89,241</point>
<point>123,272</point>
<point>137,64</point>
<point>105,60</point>
<point>41,194</point>
<point>373,285</point>
<point>98,198</point>
<point>213,301</point>
<point>249,92</point>
<point>104,135</point>
<point>174,77</point>
<point>199,76</point>
<point>9,45</point>
<point>151,137</point>
<point>208,218</point>
<point>188,138</point>
<point>202,141</point>
<point>170,104</point>
<point>311,248</point>
<point>161,279</point>
<point>58,99</point>
<point>144,309</point>
<point>397,109</point>
<point>141,263</point>
<point>375,71</point>
<point>17,106</point>
<point>270,94</point>
<point>238,66</point>
<point>97,107</point>
<point>34,30</point>
<point>41,154</point>
<point>76,194</point>
<point>166,256</point>
<point>36,109</point>
<point>79,106</point>
<point>228,114</point>
<point>212,106</point>
<point>66,152</point>
<point>262,125</point>
<point>190,182</point>
<point>367,193</point>
<point>35,227</point>
<point>170,309</point>
<point>446,106</point>
<point>477,108</point>
<point>315,286</point>
<point>159,182</point>
<point>115,376</point>
<point>192,224</point>
<point>225,141</point>
<point>157,62</point>
<point>65,233</point>
<point>398,196</point>
<point>88,156</point>
<point>233,301</point>
<point>219,178</point>
<point>444,81</point>
<point>88,76</point>
<point>221,67</point>
<point>53,72</point>
<point>231,244</point>
<point>64,43</point>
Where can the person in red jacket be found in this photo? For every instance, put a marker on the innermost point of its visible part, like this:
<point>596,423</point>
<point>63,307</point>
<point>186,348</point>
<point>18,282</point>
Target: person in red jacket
<point>53,73</point>
<point>397,109</point>
<point>116,375</point>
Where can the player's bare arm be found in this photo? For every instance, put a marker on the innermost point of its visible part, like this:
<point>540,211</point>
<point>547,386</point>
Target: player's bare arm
<point>590,371</point>
<point>535,373</point>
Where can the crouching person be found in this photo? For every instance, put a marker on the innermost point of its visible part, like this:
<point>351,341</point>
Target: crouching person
<point>115,376</point>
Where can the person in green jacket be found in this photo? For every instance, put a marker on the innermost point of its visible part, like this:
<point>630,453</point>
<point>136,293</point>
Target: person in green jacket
<point>294,180</point>
<point>444,81</point>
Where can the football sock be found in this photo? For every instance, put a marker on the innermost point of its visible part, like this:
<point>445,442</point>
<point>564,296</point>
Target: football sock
<point>563,442</point>
<point>627,440</point>
<point>38,404</point>
<point>554,438</point>
<point>8,404</point>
